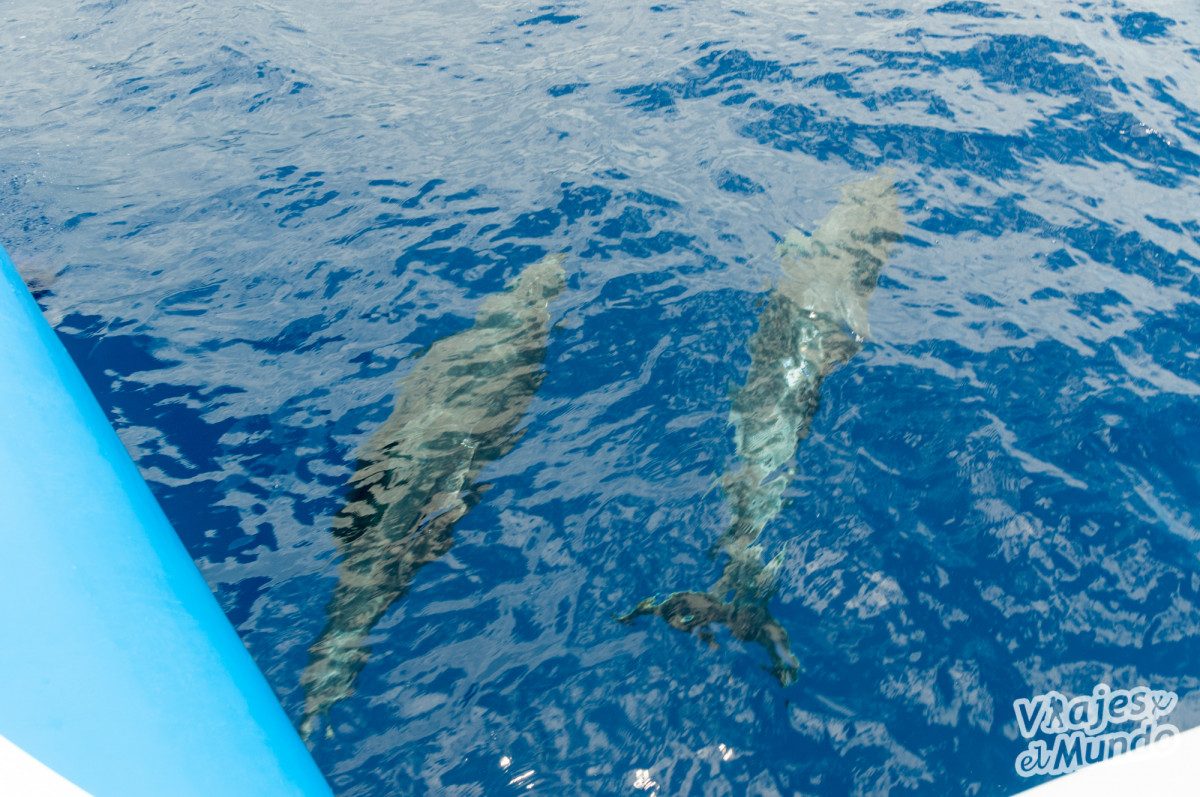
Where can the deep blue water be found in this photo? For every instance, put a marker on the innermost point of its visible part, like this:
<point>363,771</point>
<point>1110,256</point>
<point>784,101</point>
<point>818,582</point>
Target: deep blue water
<point>244,219</point>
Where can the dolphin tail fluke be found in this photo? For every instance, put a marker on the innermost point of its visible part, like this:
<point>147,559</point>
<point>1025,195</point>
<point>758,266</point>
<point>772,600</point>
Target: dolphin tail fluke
<point>308,727</point>
<point>335,662</point>
<point>694,611</point>
<point>369,584</point>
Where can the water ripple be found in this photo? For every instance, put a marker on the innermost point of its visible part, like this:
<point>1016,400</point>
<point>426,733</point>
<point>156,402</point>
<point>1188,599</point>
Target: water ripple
<point>246,221</point>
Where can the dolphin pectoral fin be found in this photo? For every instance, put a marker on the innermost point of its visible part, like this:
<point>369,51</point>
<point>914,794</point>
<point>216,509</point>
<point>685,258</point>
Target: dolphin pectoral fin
<point>444,509</point>
<point>684,611</point>
<point>784,664</point>
<point>768,579</point>
<point>856,319</point>
<point>754,623</point>
<point>435,537</point>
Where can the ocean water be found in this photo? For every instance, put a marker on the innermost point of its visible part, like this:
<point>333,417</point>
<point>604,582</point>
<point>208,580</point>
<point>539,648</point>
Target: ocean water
<point>245,220</point>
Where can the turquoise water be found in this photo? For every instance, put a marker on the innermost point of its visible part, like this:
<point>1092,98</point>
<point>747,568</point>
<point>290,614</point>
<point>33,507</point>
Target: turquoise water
<point>247,220</point>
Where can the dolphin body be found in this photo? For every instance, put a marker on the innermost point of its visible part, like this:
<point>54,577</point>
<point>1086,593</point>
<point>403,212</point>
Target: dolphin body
<point>456,410</point>
<point>814,321</point>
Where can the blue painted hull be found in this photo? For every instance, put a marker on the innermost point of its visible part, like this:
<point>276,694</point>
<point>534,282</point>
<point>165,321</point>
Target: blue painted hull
<point>118,668</point>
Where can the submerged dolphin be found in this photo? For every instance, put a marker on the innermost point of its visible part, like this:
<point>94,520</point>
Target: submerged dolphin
<point>814,321</point>
<point>457,410</point>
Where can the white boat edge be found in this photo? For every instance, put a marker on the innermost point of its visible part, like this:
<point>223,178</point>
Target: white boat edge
<point>1170,766</point>
<point>25,775</point>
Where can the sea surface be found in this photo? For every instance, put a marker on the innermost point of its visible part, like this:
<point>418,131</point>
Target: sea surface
<point>246,219</point>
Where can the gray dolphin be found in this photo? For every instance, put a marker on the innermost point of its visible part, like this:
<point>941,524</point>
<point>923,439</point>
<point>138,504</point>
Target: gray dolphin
<point>456,410</point>
<point>814,321</point>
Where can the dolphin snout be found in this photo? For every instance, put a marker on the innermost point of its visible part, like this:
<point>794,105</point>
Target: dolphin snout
<point>545,277</point>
